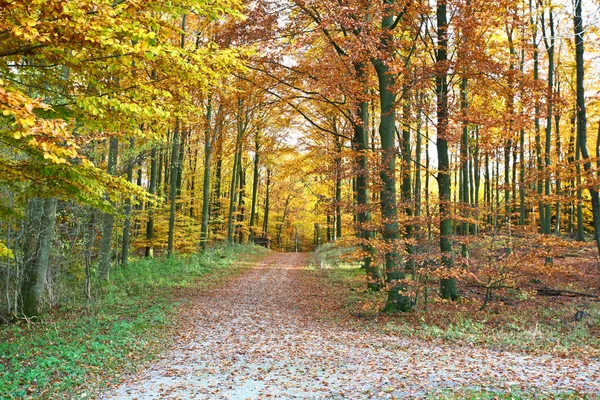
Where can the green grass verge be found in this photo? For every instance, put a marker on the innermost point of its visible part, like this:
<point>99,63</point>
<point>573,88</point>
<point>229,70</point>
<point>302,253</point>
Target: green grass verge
<point>72,353</point>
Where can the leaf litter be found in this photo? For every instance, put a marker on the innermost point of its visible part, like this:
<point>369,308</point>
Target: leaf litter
<point>267,334</point>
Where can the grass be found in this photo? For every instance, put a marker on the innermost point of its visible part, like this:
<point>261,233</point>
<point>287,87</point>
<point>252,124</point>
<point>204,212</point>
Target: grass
<point>534,324</point>
<point>73,353</point>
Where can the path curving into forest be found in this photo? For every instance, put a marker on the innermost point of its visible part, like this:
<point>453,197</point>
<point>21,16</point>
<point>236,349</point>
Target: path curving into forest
<point>261,336</point>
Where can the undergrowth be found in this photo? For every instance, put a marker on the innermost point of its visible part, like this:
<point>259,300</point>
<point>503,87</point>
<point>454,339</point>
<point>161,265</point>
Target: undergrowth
<point>533,324</point>
<point>73,352</point>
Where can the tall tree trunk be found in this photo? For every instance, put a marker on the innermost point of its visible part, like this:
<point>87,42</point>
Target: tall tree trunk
<point>447,285</point>
<point>182,144</point>
<point>406,187</point>
<point>127,226</point>
<point>360,143</point>
<point>241,203</point>
<point>255,179</point>
<point>464,164</point>
<point>582,118</point>
<point>173,187</point>
<point>38,242</point>
<point>152,190</point>
<point>108,219</point>
<point>265,230</point>
<point>557,226</point>
<point>550,45</point>
<point>216,195</point>
<point>397,300</point>
<point>234,174</point>
<point>208,150</point>
<point>418,168</point>
<point>538,142</point>
<point>338,188</point>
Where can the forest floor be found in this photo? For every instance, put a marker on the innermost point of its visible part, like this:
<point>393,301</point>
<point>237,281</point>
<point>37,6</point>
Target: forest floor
<point>269,333</point>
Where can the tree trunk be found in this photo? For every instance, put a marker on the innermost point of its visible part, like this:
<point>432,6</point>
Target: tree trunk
<point>210,138</point>
<point>38,242</point>
<point>108,220</point>
<point>582,118</point>
<point>338,188</point>
<point>151,190</point>
<point>464,164</point>
<point>265,230</point>
<point>234,174</point>
<point>241,203</point>
<point>173,187</point>
<point>255,179</point>
<point>127,226</point>
<point>447,285</point>
<point>546,226</point>
<point>397,300</point>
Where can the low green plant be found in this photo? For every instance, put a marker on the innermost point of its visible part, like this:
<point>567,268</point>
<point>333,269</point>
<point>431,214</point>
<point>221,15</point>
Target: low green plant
<point>72,352</point>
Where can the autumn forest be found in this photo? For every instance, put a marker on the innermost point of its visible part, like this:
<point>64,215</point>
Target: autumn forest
<point>431,160</point>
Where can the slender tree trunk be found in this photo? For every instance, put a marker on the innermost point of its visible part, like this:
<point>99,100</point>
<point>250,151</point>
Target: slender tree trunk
<point>38,242</point>
<point>338,188</point>
<point>582,118</point>
<point>208,149</point>
<point>235,175</point>
<point>406,187</point>
<point>216,195</point>
<point>557,226</point>
<point>538,142</point>
<point>152,190</point>
<point>108,219</point>
<point>418,168</point>
<point>265,230</point>
<point>127,226</point>
<point>550,43</point>
<point>447,285</point>
<point>173,187</point>
<point>464,164</point>
<point>360,143</point>
<point>180,161</point>
<point>255,179</point>
<point>397,300</point>
<point>241,203</point>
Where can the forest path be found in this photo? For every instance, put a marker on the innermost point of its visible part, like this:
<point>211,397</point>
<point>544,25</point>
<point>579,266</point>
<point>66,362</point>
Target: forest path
<point>265,335</point>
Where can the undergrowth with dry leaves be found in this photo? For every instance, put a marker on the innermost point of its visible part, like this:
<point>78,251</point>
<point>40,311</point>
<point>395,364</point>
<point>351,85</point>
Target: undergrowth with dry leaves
<point>515,319</point>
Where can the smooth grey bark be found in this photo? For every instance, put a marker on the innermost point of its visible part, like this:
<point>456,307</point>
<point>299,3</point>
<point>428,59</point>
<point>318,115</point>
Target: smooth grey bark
<point>108,219</point>
<point>38,242</point>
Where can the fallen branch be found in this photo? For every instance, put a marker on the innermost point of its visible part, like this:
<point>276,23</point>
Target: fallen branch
<point>560,292</point>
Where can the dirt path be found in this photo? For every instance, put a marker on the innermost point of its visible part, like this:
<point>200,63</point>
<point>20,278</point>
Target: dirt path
<point>260,337</point>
